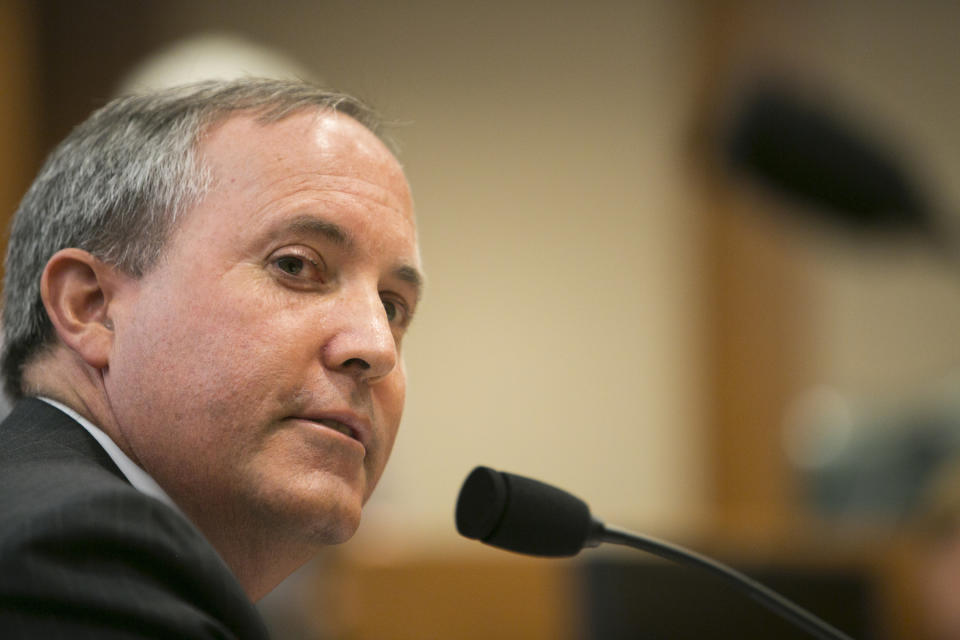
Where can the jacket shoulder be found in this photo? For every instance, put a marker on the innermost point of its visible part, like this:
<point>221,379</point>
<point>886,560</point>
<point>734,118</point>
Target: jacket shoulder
<point>83,554</point>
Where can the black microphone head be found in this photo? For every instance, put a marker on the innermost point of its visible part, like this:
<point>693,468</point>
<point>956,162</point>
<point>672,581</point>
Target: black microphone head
<point>523,515</point>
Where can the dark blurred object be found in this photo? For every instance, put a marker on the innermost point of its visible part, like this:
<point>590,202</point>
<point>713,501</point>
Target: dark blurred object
<point>640,600</point>
<point>813,156</point>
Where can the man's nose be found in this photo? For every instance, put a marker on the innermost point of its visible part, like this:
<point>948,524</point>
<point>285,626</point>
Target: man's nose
<point>362,343</point>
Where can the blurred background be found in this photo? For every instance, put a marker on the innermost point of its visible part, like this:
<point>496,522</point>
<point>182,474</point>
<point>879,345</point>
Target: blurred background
<point>696,262</point>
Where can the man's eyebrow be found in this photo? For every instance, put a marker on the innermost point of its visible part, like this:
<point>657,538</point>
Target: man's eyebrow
<point>317,226</point>
<point>411,276</point>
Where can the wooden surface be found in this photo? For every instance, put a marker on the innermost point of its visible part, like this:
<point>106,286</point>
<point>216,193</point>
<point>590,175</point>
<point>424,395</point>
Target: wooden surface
<point>18,121</point>
<point>508,598</point>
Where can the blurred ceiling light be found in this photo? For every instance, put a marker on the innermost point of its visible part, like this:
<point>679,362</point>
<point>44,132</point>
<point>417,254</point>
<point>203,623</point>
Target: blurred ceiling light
<point>213,55</point>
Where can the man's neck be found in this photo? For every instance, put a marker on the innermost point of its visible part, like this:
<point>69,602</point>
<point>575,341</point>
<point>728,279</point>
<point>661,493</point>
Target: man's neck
<point>60,375</point>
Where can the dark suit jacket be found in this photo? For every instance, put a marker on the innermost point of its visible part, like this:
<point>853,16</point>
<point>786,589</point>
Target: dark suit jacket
<point>83,554</point>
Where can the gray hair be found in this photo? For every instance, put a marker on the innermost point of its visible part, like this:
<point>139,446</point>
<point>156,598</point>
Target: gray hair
<point>116,186</point>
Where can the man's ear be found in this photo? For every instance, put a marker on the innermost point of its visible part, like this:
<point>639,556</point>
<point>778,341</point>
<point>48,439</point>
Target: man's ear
<point>77,290</point>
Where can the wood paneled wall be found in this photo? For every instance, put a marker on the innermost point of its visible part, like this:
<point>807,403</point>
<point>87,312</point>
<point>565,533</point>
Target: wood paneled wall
<point>18,105</point>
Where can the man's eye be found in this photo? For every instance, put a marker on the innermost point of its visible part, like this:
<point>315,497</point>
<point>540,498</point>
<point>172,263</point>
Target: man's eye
<point>391,309</point>
<point>298,266</point>
<point>290,264</point>
<point>396,312</point>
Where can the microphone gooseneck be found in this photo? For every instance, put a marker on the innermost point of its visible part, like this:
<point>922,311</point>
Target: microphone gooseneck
<point>527,516</point>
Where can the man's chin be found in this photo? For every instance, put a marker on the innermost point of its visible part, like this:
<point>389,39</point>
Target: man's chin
<point>335,516</point>
<point>305,504</point>
<point>338,524</point>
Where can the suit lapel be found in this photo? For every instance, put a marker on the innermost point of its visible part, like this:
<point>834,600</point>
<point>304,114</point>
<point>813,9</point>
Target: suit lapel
<point>37,429</point>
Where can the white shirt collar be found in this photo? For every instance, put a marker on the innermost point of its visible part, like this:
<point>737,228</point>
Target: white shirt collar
<point>139,478</point>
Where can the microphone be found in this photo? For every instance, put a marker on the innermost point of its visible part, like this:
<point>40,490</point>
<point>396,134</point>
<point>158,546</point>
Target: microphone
<point>523,515</point>
<point>527,516</point>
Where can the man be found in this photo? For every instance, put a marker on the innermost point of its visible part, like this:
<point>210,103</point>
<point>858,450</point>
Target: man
<point>206,293</point>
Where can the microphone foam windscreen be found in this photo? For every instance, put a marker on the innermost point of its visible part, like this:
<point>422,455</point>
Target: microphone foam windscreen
<point>482,501</point>
<point>523,515</point>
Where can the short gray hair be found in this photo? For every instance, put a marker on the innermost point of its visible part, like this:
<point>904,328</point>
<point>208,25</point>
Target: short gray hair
<point>118,183</point>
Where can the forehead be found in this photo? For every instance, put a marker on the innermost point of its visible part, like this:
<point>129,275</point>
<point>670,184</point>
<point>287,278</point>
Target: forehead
<point>314,163</point>
<point>243,153</point>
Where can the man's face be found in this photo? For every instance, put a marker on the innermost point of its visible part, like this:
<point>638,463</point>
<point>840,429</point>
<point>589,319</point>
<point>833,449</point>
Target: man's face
<point>256,370</point>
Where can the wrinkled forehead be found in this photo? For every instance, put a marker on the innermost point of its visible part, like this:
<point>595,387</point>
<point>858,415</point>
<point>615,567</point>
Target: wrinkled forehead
<point>315,142</point>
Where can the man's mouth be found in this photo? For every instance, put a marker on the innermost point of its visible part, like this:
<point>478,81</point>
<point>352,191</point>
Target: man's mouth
<point>338,426</point>
<point>353,425</point>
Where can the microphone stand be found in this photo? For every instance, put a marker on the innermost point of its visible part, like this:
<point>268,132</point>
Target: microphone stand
<point>758,592</point>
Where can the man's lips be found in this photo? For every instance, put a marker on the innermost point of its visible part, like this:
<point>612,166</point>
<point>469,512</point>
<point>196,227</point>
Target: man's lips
<point>336,425</point>
<point>347,423</point>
